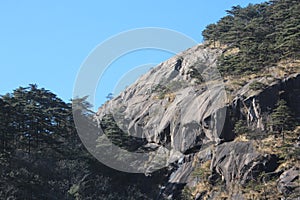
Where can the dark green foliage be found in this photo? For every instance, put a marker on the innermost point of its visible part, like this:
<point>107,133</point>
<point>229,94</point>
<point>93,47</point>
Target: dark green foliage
<point>241,127</point>
<point>281,117</point>
<point>257,86</point>
<point>288,152</point>
<point>163,89</point>
<point>263,34</point>
<point>117,136</point>
<point>187,194</point>
<point>42,157</point>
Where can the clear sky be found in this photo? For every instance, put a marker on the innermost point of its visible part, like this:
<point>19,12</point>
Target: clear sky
<point>45,42</point>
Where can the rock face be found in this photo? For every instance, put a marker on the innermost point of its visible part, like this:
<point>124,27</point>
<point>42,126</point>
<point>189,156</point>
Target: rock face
<point>239,162</point>
<point>289,181</point>
<point>165,104</point>
<point>182,106</point>
<point>253,106</point>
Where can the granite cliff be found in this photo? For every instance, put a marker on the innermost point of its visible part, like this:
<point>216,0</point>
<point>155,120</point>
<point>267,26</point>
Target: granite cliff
<point>185,107</point>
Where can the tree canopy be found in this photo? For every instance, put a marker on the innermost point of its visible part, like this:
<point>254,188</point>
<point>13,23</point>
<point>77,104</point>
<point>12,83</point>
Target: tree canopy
<point>42,157</point>
<point>260,35</point>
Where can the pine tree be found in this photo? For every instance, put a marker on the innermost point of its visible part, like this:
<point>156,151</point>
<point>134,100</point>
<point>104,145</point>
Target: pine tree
<point>261,35</point>
<point>281,118</point>
<point>240,127</point>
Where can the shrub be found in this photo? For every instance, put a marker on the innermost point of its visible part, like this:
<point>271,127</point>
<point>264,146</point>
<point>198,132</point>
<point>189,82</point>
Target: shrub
<point>257,86</point>
<point>241,127</point>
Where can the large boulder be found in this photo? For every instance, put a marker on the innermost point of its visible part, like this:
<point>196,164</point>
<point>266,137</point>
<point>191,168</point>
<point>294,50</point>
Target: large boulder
<point>289,182</point>
<point>239,162</point>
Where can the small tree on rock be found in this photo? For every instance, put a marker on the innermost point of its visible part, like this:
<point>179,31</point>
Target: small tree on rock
<point>281,118</point>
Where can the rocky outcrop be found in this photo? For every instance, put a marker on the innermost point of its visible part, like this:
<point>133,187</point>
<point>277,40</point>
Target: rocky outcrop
<point>164,104</point>
<point>239,162</point>
<point>289,182</point>
<point>183,173</point>
<point>253,106</point>
<point>181,107</point>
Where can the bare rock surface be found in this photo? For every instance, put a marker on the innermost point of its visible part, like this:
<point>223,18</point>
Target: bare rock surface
<point>166,107</point>
<point>181,107</point>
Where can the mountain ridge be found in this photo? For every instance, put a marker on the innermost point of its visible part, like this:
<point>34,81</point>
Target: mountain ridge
<point>204,117</point>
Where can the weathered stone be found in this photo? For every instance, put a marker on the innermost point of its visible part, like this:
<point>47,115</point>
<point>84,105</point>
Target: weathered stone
<point>164,106</point>
<point>289,182</point>
<point>181,118</point>
<point>238,162</point>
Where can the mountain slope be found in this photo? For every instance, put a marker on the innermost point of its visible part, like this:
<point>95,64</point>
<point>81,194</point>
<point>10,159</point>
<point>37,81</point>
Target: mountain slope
<point>184,107</point>
<point>228,135</point>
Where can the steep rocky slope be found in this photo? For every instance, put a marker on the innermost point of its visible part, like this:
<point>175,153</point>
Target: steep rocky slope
<point>184,107</point>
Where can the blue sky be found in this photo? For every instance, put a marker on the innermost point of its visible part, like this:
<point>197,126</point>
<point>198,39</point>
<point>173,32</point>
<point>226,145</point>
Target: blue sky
<point>45,42</point>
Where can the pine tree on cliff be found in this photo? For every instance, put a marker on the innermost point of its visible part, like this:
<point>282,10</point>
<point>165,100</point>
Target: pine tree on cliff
<point>281,118</point>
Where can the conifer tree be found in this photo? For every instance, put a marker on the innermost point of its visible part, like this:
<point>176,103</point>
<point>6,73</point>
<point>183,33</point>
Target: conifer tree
<point>281,118</point>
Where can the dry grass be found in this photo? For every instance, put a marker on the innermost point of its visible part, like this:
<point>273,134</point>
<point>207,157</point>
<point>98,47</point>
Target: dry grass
<point>241,138</point>
<point>259,191</point>
<point>286,165</point>
<point>275,145</point>
<point>297,130</point>
<point>279,71</point>
<point>268,145</point>
<point>222,196</point>
<point>216,44</point>
<point>282,69</point>
<point>202,171</point>
<point>231,51</point>
<point>201,187</point>
<point>290,65</point>
<point>171,97</point>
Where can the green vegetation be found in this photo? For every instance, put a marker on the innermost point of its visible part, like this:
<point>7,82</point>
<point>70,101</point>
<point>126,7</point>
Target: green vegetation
<point>203,170</point>
<point>257,36</point>
<point>264,187</point>
<point>161,90</point>
<point>164,89</point>
<point>281,118</point>
<point>187,193</point>
<point>117,136</point>
<point>205,186</point>
<point>279,121</point>
<point>42,157</point>
<point>196,74</point>
<point>258,40</point>
<point>257,86</point>
<point>241,127</point>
